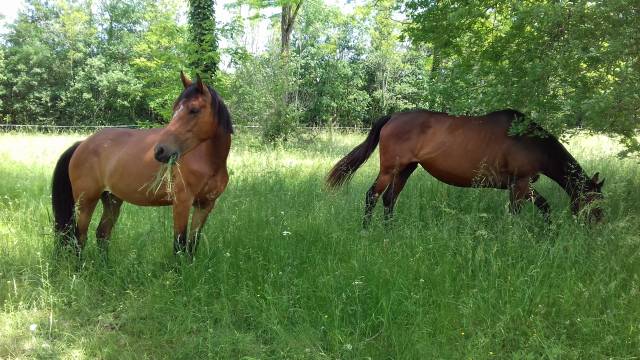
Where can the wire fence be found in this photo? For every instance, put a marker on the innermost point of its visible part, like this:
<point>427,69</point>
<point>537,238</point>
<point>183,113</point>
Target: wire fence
<point>86,128</point>
<point>19,126</point>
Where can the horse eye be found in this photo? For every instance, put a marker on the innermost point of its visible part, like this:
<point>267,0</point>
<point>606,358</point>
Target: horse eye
<point>194,111</point>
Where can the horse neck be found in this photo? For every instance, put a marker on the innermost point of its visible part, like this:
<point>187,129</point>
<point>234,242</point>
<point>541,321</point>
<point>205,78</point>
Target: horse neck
<point>566,171</point>
<point>219,135</point>
<point>220,143</point>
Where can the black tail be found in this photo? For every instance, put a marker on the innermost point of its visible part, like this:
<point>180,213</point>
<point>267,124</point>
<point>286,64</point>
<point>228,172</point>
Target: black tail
<point>62,197</point>
<point>344,169</point>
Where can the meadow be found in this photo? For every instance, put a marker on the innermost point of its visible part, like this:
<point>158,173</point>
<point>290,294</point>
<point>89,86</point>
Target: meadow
<point>285,270</point>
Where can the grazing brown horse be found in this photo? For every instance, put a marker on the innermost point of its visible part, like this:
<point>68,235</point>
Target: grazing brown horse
<point>468,151</point>
<point>116,165</point>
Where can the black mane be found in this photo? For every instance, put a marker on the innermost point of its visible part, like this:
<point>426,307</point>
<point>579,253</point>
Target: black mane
<point>221,110</point>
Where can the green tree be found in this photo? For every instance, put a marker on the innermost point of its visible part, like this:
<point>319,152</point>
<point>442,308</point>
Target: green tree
<point>565,64</point>
<point>2,83</point>
<point>287,108</point>
<point>384,55</point>
<point>72,63</point>
<point>331,67</point>
<point>38,64</point>
<point>340,70</point>
<point>103,93</point>
<point>204,58</point>
<point>106,90</point>
<point>120,25</point>
<point>289,10</point>
<point>288,15</point>
<point>159,55</point>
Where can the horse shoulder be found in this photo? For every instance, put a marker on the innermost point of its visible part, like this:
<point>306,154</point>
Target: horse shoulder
<point>529,155</point>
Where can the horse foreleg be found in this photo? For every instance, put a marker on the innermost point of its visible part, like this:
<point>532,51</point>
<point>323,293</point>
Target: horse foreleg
<point>391,195</point>
<point>201,210</point>
<point>181,210</point>
<point>519,191</point>
<point>541,203</point>
<point>110,211</point>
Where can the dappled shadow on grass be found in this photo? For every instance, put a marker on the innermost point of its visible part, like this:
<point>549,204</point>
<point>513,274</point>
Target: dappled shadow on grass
<point>285,271</point>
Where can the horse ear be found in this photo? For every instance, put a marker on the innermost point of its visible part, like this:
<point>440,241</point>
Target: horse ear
<point>199,84</point>
<point>600,184</point>
<point>595,177</point>
<point>185,81</point>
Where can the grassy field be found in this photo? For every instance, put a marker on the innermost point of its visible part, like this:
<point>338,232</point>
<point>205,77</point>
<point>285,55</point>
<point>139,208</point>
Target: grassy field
<point>286,272</point>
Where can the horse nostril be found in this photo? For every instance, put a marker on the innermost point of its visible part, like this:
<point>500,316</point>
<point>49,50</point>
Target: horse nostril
<point>159,152</point>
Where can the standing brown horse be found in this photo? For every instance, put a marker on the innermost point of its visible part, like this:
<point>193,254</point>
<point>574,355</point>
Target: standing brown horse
<point>468,151</point>
<point>116,165</point>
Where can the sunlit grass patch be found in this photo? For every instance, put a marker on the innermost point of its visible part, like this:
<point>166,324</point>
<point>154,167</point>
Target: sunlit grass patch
<point>34,149</point>
<point>25,332</point>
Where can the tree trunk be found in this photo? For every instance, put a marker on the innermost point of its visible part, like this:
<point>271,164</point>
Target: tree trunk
<point>287,19</point>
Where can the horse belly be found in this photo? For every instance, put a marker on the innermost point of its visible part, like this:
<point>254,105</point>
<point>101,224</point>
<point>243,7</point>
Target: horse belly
<point>138,182</point>
<point>449,176</point>
<point>160,198</point>
<point>142,194</point>
<point>468,173</point>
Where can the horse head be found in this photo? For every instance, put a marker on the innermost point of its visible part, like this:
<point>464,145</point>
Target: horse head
<point>198,113</point>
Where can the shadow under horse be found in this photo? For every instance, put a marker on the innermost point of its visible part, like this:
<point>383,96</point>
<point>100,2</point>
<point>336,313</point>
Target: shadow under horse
<point>116,165</point>
<point>468,151</point>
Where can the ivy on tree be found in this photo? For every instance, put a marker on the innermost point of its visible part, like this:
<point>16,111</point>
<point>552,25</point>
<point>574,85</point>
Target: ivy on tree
<point>204,56</point>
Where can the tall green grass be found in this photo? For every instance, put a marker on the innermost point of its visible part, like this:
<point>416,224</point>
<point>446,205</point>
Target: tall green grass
<point>285,270</point>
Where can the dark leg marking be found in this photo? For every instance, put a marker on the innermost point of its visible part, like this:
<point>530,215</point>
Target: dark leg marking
<point>110,212</point>
<point>180,242</point>
<point>381,183</point>
<point>369,203</point>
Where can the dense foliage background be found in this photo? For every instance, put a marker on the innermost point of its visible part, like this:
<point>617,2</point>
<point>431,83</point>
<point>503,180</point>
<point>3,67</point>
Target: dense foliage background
<point>563,63</point>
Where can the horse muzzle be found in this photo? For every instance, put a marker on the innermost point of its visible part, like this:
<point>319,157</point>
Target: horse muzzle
<point>596,216</point>
<point>163,153</point>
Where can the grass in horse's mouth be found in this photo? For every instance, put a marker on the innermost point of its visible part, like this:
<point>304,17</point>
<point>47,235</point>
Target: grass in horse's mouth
<point>164,176</point>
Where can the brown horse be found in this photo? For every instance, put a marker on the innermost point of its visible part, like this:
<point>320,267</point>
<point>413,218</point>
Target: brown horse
<point>468,151</point>
<point>116,165</point>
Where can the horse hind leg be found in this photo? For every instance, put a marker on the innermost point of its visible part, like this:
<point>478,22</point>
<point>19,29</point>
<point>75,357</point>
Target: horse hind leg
<point>370,201</point>
<point>371,198</point>
<point>85,206</point>
<point>110,212</point>
<point>393,191</point>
